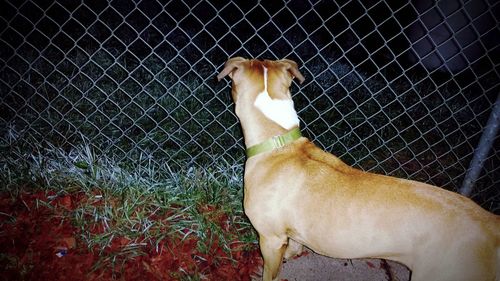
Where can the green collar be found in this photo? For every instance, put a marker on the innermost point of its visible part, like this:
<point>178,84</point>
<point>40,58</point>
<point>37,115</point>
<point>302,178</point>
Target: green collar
<point>274,142</point>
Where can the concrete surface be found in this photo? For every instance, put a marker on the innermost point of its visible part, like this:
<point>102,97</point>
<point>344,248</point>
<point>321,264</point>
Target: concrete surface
<point>314,267</point>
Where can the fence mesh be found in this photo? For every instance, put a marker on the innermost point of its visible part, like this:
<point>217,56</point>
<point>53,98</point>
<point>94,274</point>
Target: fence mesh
<point>396,87</point>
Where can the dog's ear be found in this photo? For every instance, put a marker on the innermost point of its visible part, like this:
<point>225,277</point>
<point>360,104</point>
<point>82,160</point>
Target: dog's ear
<point>293,68</point>
<point>229,67</point>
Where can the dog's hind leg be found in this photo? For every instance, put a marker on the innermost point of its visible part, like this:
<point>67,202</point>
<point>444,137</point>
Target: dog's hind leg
<point>272,249</point>
<point>293,249</point>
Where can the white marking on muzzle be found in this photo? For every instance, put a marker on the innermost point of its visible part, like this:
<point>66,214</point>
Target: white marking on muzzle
<point>279,111</point>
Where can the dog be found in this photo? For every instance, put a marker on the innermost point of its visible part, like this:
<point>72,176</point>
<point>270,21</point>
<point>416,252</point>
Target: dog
<point>297,194</point>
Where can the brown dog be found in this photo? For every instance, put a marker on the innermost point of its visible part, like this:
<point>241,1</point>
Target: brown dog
<point>296,194</point>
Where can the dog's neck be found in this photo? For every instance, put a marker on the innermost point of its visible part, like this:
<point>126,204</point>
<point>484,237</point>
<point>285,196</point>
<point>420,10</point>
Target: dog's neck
<point>263,116</point>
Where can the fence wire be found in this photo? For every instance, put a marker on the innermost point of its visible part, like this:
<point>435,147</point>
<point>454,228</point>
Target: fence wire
<point>395,87</point>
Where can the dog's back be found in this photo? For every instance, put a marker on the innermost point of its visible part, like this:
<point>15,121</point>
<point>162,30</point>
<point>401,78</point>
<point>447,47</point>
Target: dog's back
<point>484,240</point>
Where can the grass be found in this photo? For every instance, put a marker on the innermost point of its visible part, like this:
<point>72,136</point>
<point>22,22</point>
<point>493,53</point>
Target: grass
<point>141,205</point>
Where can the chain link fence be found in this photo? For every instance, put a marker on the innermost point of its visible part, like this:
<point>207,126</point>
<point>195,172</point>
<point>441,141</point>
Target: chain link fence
<point>395,87</point>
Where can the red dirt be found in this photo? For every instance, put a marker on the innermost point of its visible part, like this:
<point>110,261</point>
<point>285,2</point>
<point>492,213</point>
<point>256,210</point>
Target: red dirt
<point>32,234</point>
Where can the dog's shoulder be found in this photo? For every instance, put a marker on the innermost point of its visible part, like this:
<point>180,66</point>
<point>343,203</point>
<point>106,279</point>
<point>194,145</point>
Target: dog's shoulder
<point>317,155</point>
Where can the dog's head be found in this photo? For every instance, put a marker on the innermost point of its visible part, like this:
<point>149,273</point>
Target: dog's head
<point>263,85</point>
<point>249,75</point>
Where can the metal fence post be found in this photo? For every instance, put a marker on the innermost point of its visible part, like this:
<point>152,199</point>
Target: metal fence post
<point>482,150</point>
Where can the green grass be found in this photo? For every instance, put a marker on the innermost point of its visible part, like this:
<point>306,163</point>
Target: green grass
<point>144,204</point>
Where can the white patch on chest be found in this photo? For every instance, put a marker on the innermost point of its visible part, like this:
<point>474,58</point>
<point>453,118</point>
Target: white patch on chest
<point>280,111</point>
